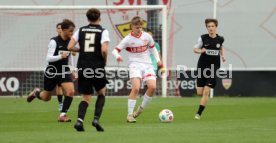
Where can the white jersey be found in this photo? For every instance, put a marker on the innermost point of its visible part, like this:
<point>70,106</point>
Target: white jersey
<point>137,47</point>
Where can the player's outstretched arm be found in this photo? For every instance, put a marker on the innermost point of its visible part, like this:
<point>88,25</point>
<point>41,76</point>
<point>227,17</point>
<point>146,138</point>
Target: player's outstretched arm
<point>122,45</point>
<point>116,54</point>
<point>157,57</point>
<point>155,53</point>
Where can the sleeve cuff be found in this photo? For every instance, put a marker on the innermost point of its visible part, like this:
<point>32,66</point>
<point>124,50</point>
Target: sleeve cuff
<point>118,50</point>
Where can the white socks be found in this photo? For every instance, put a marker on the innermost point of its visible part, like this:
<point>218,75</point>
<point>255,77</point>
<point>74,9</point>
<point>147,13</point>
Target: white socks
<point>79,119</point>
<point>131,105</point>
<point>146,100</point>
<point>62,114</point>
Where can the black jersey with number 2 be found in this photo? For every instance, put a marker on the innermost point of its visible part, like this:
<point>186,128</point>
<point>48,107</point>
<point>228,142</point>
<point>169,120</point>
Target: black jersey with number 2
<point>212,54</point>
<point>90,47</point>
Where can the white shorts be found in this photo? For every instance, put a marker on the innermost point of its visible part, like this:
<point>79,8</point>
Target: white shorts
<point>141,70</point>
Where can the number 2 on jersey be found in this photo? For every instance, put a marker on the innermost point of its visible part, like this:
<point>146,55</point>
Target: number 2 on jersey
<point>89,40</point>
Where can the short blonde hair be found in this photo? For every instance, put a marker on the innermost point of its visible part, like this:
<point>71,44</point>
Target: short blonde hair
<point>136,20</point>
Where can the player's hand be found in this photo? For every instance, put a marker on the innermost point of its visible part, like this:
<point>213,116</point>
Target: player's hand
<point>74,75</point>
<point>64,55</point>
<point>223,59</point>
<point>119,59</point>
<point>161,67</point>
<point>203,50</point>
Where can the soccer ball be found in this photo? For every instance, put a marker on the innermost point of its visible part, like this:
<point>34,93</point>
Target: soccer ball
<point>166,116</point>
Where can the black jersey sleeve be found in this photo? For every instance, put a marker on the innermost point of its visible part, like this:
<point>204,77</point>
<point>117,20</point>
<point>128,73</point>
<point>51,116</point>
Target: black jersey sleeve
<point>222,40</point>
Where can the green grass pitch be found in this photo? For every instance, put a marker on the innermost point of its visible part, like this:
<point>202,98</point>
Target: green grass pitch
<point>225,120</point>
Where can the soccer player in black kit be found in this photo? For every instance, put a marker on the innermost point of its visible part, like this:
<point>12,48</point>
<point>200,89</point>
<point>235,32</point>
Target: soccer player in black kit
<point>59,92</point>
<point>93,42</point>
<point>209,46</point>
<point>58,71</point>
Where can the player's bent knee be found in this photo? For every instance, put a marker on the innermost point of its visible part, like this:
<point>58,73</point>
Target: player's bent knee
<point>152,88</point>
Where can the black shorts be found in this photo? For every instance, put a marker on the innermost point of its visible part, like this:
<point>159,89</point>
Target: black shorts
<point>86,84</point>
<point>206,77</point>
<point>51,82</point>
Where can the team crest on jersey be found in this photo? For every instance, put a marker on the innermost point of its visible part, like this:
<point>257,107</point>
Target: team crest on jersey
<point>218,45</point>
<point>146,42</point>
<point>226,83</point>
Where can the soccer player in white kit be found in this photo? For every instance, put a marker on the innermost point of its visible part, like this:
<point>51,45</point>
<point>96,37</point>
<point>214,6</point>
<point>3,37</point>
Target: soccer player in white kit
<point>139,45</point>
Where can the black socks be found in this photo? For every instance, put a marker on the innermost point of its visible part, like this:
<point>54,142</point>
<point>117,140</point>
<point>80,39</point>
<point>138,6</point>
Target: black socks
<point>200,109</point>
<point>99,106</point>
<point>66,103</point>
<point>82,109</point>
